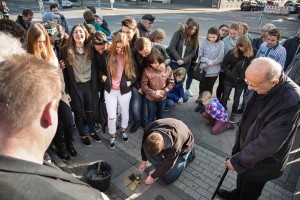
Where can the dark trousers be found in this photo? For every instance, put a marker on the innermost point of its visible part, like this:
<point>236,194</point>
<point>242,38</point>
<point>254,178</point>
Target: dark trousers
<point>64,130</point>
<point>220,88</point>
<point>239,87</point>
<point>155,109</point>
<point>207,84</point>
<point>246,190</point>
<point>85,91</point>
<point>218,126</point>
<point>138,107</point>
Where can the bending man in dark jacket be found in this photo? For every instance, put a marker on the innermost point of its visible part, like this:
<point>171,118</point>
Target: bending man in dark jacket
<point>167,145</point>
<point>267,129</point>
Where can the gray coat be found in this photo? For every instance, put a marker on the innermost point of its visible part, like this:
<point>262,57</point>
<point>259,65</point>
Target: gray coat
<point>26,180</point>
<point>293,70</point>
<point>176,46</point>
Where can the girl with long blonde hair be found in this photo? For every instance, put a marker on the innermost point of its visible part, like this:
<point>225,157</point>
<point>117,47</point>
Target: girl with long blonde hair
<point>118,79</point>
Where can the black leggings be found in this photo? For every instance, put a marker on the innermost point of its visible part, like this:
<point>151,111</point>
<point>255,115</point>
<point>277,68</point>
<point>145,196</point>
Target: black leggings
<point>207,84</point>
<point>220,88</point>
<point>85,91</point>
<point>65,125</point>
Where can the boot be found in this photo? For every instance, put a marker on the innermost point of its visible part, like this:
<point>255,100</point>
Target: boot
<point>71,149</point>
<point>63,154</point>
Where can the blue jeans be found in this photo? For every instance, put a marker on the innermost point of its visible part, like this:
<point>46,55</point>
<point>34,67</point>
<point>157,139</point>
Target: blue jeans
<point>155,109</point>
<point>239,87</point>
<point>189,72</point>
<point>170,103</point>
<point>138,107</point>
<point>177,169</point>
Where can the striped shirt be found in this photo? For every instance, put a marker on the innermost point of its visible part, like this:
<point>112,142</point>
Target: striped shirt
<point>277,53</point>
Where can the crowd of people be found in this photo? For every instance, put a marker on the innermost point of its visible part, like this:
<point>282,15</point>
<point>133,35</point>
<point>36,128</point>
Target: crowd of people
<point>139,79</point>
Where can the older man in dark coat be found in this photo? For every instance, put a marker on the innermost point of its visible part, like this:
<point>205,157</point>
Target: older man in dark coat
<point>266,131</point>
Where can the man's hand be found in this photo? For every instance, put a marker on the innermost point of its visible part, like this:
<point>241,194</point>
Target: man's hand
<point>142,166</point>
<point>180,62</point>
<point>229,165</point>
<point>180,101</point>
<point>149,180</point>
<point>128,83</point>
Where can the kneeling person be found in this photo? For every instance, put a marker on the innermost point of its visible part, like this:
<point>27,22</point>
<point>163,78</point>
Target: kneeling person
<point>167,144</point>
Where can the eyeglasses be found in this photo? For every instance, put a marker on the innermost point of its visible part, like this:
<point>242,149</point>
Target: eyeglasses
<point>256,87</point>
<point>225,30</point>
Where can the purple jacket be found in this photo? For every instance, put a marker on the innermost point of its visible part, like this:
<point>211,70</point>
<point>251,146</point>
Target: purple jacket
<point>217,111</point>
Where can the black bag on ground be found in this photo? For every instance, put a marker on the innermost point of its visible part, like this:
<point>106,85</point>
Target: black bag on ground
<point>199,74</point>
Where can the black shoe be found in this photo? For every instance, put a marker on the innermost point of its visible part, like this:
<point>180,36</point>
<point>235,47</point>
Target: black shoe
<point>198,108</point>
<point>237,112</point>
<point>202,110</point>
<point>97,127</point>
<point>63,154</point>
<point>225,194</point>
<point>134,128</point>
<point>96,137</point>
<point>71,150</point>
<point>86,142</point>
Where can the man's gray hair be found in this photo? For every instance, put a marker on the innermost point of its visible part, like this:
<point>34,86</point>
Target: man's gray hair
<point>270,67</point>
<point>9,46</point>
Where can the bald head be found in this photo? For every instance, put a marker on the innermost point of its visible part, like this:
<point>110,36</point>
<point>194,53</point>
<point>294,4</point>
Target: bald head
<point>266,68</point>
<point>263,74</point>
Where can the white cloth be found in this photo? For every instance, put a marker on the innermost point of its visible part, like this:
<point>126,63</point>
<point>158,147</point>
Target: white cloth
<point>112,99</point>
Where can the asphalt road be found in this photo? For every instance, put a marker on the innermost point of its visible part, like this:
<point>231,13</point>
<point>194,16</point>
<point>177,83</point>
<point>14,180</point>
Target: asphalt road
<point>168,16</point>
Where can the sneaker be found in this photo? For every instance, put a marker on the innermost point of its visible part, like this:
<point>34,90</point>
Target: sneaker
<point>237,112</point>
<point>166,109</point>
<point>86,142</point>
<point>134,128</point>
<point>230,126</point>
<point>124,137</point>
<point>189,93</point>
<point>199,107</point>
<point>96,137</point>
<point>231,119</point>
<point>97,127</point>
<point>112,144</point>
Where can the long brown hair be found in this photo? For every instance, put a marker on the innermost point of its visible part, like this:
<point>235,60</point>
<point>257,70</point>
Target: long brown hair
<point>35,31</point>
<point>244,42</point>
<point>71,45</point>
<point>127,57</point>
<point>188,38</point>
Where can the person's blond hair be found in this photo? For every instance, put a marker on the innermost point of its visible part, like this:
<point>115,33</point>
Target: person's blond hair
<point>154,143</point>
<point>28,84</point>
<point>157,34</point>
<point>180,71</point>
<point>128,63</point>
<point>205,96</point>
<point>35,31</point>
<point>246,43</point>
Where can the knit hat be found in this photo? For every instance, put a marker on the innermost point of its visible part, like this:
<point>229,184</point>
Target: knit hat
<point>53,31</point>
<point>48,16</point>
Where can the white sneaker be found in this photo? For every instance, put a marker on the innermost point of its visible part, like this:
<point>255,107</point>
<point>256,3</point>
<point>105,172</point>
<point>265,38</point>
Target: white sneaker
<point>112,144</point>
<point>189,93</point>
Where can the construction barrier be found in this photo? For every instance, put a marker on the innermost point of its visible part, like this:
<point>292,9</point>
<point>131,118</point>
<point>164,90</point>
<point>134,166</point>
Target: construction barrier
<point>278,10</point>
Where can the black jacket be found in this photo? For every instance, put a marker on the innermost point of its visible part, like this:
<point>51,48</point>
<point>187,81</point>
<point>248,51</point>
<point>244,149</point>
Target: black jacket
<point>141,62</point>
<point>22,23</point>
<point>103,70</point>
<point>72,86</point>
<point>292,46</point>
<point>263,154</point>
<point>234,67</point>
<point>144,32</point>
<point>256,44</point>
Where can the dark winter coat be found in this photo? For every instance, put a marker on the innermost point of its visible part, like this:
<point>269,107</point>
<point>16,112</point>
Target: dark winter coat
<point>234,67</point>
<point>263,153</point>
